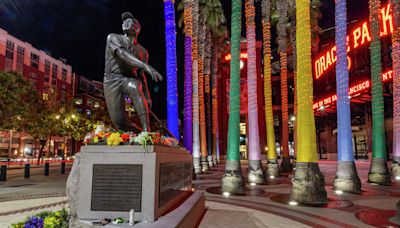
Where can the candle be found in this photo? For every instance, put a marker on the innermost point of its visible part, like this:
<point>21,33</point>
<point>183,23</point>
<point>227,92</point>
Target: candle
<point>131,217</point>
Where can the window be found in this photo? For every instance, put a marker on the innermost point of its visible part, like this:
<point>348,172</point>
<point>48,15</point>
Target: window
<point>54,71</point>
<point>9,50</point>
<point>90,102</point>
<point>83,85</point>
<point>54,81</point>
<point>47,67</point>
<point>33,75</point>
<point>45,96</point>
<point>63,87</point>
<point>64,74</point>
<point>96,104</point>
<point>34,60</point>
<point>20,55</point>
<point>78,101</point>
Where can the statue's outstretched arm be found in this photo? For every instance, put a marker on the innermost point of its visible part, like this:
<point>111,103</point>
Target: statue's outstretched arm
<point>130,59</point>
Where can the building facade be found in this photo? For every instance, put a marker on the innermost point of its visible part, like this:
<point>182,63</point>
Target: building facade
<point>47,74</point>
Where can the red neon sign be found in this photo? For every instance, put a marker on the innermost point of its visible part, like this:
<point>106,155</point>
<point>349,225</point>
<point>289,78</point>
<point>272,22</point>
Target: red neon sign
<point>354,90</point>
<point>356,38</point>
<point>243,55</point>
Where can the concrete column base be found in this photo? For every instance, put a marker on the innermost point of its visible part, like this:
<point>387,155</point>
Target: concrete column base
<point>210,161</point>
<point>272,170</point>
<point>232,180</point>
<point>308,184</point>
<point>395,168</point>
<point>347,179</point>
<point>204,164</point>
<point>286,166</point>
<point>255,173</point>
<point>197,165</point>
<point>379,173</point>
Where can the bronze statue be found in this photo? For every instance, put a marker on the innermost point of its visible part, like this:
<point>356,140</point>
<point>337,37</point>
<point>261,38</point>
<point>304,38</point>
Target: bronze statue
<point>125,75</point>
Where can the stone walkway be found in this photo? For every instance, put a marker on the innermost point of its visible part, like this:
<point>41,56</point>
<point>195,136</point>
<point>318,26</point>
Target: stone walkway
<point>261,211</point>
<point>237,211</point>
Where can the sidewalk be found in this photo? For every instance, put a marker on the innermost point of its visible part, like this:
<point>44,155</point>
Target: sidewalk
<point>238,211</point>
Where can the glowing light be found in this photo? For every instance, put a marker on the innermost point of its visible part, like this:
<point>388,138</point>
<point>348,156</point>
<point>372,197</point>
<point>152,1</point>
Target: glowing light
<point>242,56</point>
<point>378,127</point>
<point>188,117</point>
<point>293,203</point>
<point>26,149</point>
<point>344,139</point>
<point>353,91</point>
<point>306,138</point>
<point>241,64</point>
<point>269,120</point>
<point>339,192</point>
<point>293,118</point>
<point>73,116</point>
<point>252,107</point>
<point>271,177</point>
<point>397,177</point>
<point>233,153</point>
<point>57,116</point>
<point>172,91</point>
<point>195,83</point>
<point>355,39</point>
<point>193,189</point>
<point>253,184</point>
<point>226,194</point>
<point>395,75</point>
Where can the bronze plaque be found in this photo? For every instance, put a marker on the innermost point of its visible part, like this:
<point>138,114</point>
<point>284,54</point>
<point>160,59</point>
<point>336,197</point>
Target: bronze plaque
<point>116,187</point>
<point>175,178</point>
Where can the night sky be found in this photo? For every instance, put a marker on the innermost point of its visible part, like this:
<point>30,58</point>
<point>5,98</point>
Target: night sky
<point>77,30</point>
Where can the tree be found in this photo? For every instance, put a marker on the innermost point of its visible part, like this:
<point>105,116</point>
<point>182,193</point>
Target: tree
<point>44,122</point>
<point>282,6</point>
<point>172,89</point>
<point>269,115</point>
<point>346,179</point>
<point>202,32</point>
<point>308,182</point>
<point>255,172</point>
<point>187,19</point>
<point>379,172</point>
<point>396,88</point>
<point>17,98</point>
<point>215,29</point>
<point>232,179</point>
<point>216,23</point>
<point>195,89</point>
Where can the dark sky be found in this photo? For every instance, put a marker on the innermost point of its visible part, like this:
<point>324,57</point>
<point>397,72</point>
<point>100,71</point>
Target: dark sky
<point>77,30</point>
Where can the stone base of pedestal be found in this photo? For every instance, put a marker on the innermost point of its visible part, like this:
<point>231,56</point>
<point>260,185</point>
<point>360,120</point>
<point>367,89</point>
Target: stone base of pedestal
<point>108,182</point>
<point>188,214</point>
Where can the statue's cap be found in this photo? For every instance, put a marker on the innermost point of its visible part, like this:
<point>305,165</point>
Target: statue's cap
<point>126,15</point>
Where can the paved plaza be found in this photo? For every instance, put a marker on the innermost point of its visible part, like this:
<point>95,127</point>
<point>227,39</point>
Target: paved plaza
<point>21,197</point>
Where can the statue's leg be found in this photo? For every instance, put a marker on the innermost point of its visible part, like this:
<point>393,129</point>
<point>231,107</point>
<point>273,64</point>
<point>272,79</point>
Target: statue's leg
<point>113,93</point>
<point>134,90</point>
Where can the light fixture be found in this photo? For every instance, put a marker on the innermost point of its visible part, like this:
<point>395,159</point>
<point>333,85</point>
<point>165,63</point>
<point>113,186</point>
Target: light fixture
<point>252,184</point>
<point>397,178</point>
<point>339,192</point>
<point>226,194</point>
<point>271,177</point>
<point>293,203</point>
<point>241,64</point>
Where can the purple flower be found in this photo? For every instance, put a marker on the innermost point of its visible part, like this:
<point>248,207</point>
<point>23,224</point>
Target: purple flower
<point>34,222</point>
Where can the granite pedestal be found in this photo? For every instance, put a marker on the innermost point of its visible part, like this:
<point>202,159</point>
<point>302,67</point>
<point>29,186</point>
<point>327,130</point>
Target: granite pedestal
<point>109,181</point>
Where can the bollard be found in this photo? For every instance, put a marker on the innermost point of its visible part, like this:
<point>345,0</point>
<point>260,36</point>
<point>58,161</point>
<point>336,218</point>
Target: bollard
<point>3,173</point>
<point>46,168</point>
<point>63,167</point>
<point>27,170</point>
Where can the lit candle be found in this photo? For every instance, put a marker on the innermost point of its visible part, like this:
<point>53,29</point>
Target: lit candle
<point>131,217</point>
